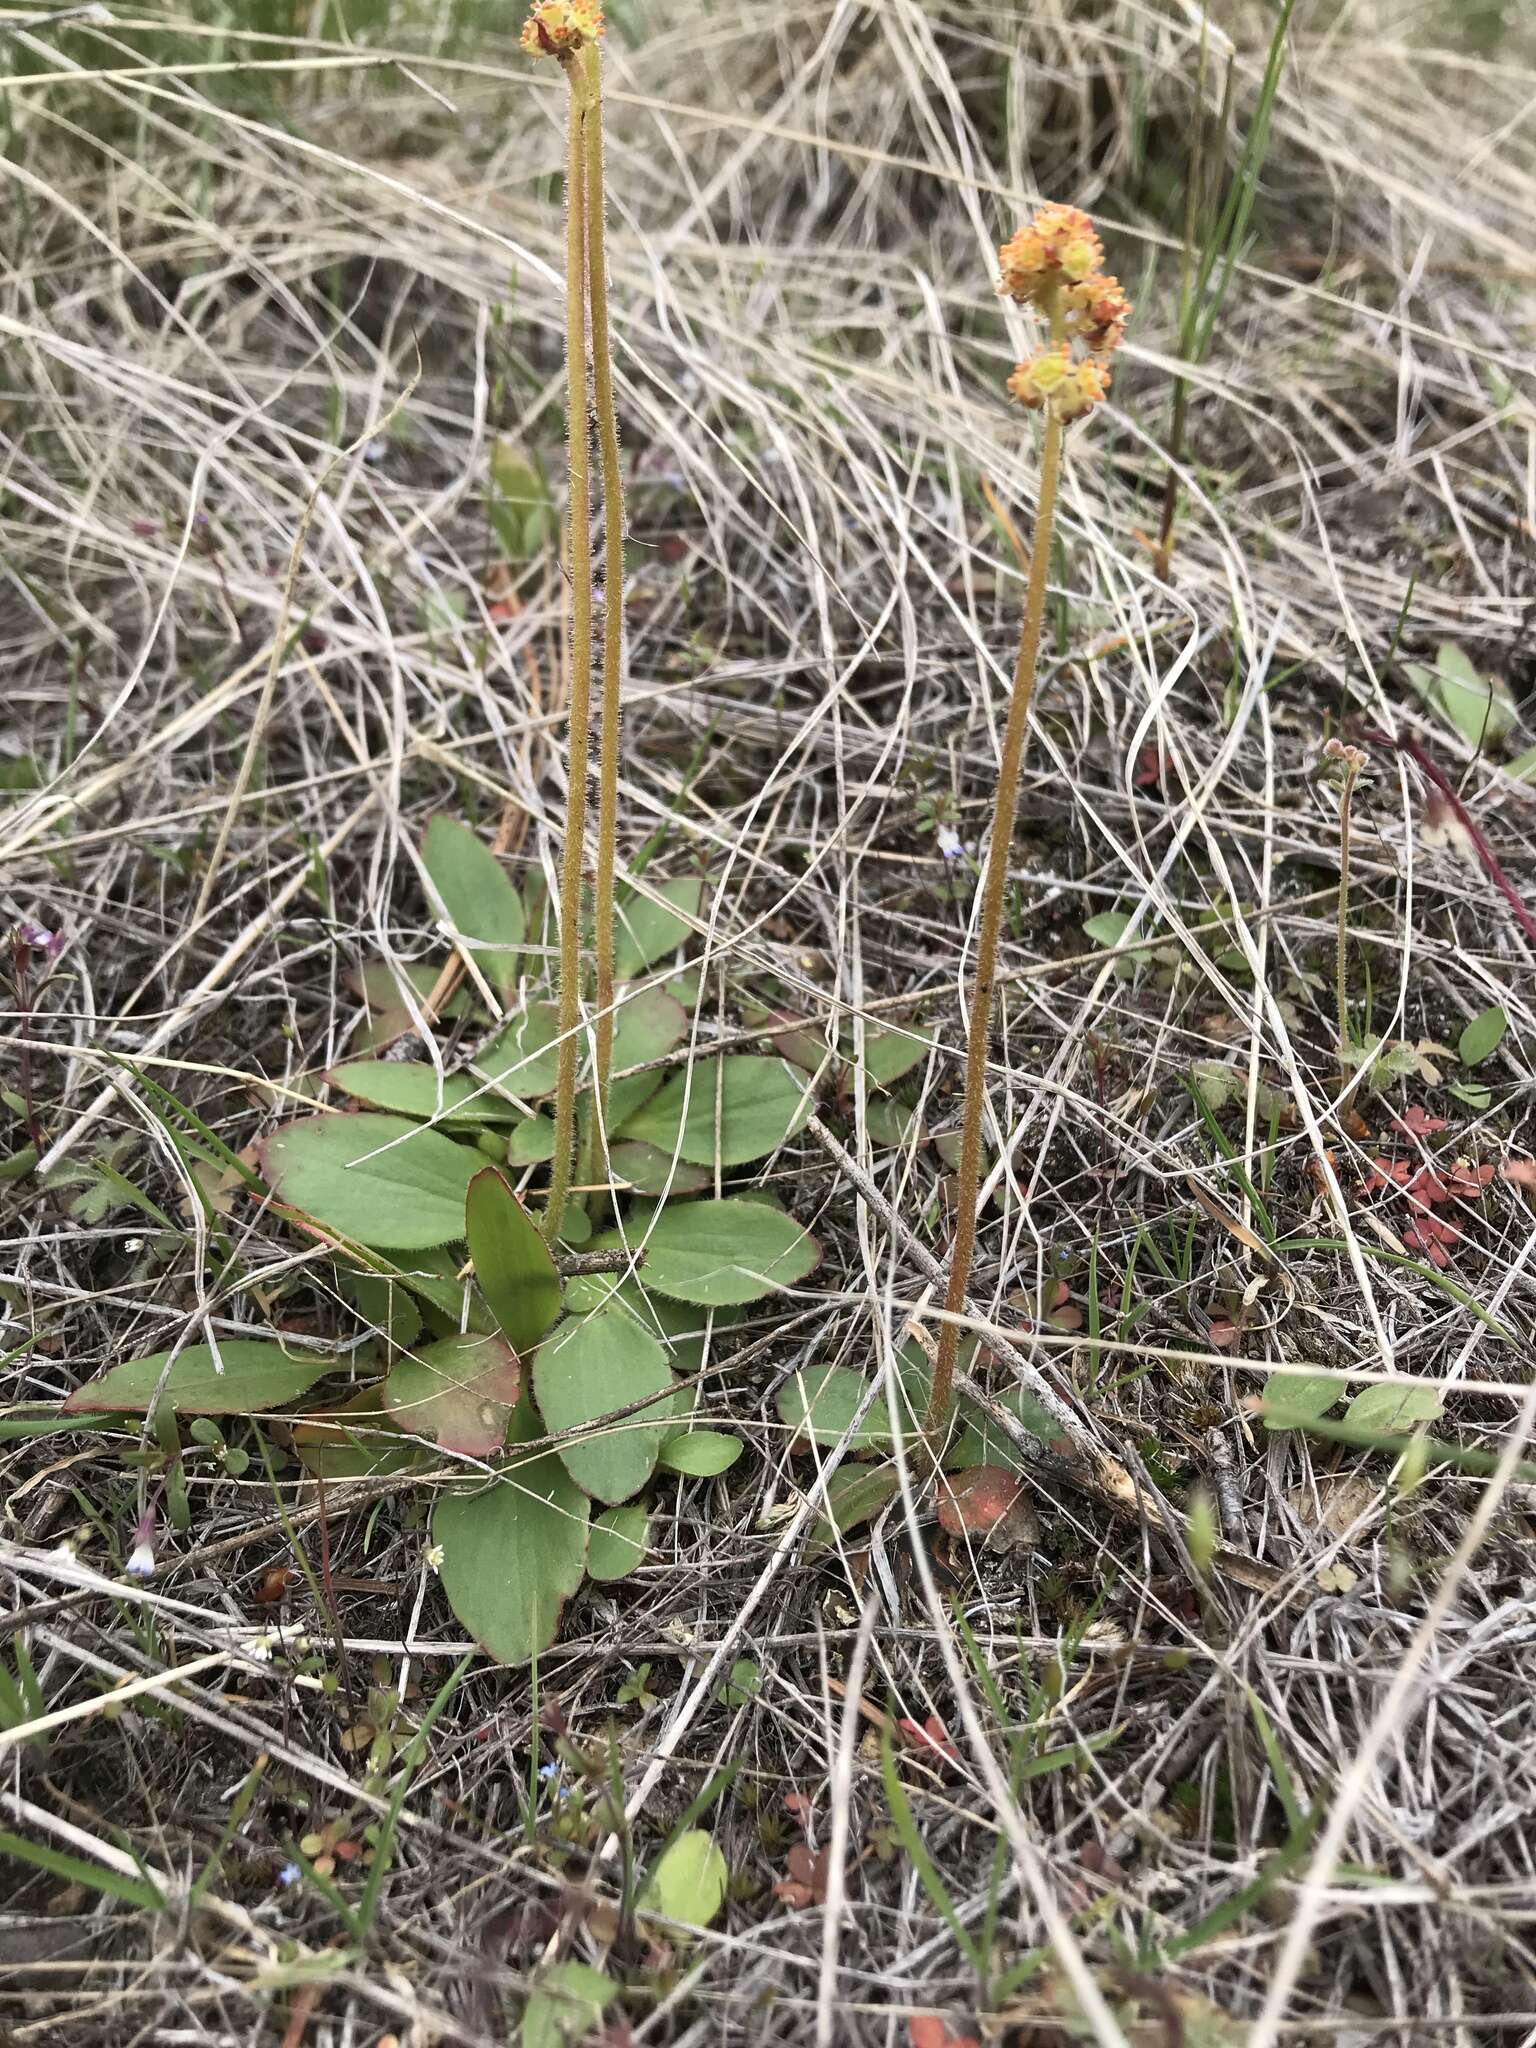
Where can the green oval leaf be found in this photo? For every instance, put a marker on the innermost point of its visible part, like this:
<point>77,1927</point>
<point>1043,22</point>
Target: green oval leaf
<point>380,1180</point>
<point>532,1142</point>
<point>679,1327</point>
<point>649,1172</point>
<point>889,1054</point>
<point>688,1884</point>
<point>617,1545</point>
<point>1482,1036</point>
<point>460,1393</point>
<point>523,1058</point>
<point>255,1376</point>
<point>719,1253</point>
<point>700,1453</point>
<point>378,982</point>
<point>514,1552</point>
<point>1293,1399</point>
<point>855,1495</point>
<point>1480,707</point>
<point>818,1406</point>
<point>1108,928</point>
<point>413,1088</point>
<point>648,926</point>
<point>646,1026</point>
<point>743,1682</point>
<point>759,1102</point>
<point>591,1366</point>
<point>519,507</point>
<point>517,1276</point>
<point>1389,1410</point>
<point>480,901</point>
<point>385,1305</point>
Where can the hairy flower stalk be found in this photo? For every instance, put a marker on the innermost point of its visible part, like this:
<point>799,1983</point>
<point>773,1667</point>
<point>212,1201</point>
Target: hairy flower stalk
<point>568,31</point>
<point>613,609</point>
<point>1053,264</point>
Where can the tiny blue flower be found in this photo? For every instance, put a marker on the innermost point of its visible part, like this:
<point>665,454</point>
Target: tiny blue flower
<point>949,842</point>
<point>548,1771</point>
<point>289,1874</point>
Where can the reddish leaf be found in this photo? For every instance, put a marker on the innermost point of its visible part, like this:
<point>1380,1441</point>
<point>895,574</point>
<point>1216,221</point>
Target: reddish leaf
<point>1467,1182</point>
<point>1388,1173</point>
<point>274,1584</point>
<point>460,1392</point>
<point>928,2030</point>
<point>1429,1235</point>
<point>1100,1862</point>
<point>931,1737</point>
<point>1223,1332</point>
<point>1418,1123</point>
<point>1068,1317</point>
<point>806,1884</point>
<point>974,1502</point>
<point>1522,1172</point>
<point>1426,1189</point>
<point>798,1807</point>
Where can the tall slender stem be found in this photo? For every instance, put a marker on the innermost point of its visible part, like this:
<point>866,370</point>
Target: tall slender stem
<point>1341,940</point>
<point>993,895</point>
<point>578,430</point>
<point>613,607</point>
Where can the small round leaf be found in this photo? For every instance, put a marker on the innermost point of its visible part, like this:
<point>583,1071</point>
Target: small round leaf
<point>459,1393</point>
<point>591,1366</point>
<point>700,1453</point>
<point>617,1544</point>
<point>688,1884</point>
<point>1291,1400</point>
<point>1389,1410</point>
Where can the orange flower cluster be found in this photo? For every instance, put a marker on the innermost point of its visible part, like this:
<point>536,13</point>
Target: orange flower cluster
<point>1058,245</point>
<point>1053,379</point>
<point>556,28</point>
<point>1053,265</point>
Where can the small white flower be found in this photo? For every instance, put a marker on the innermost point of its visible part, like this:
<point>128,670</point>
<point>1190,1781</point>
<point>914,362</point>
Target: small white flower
<point>435,1558</point>
<point>141,1563</point>
<point>949,842</point>
<point>259,1649</point>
